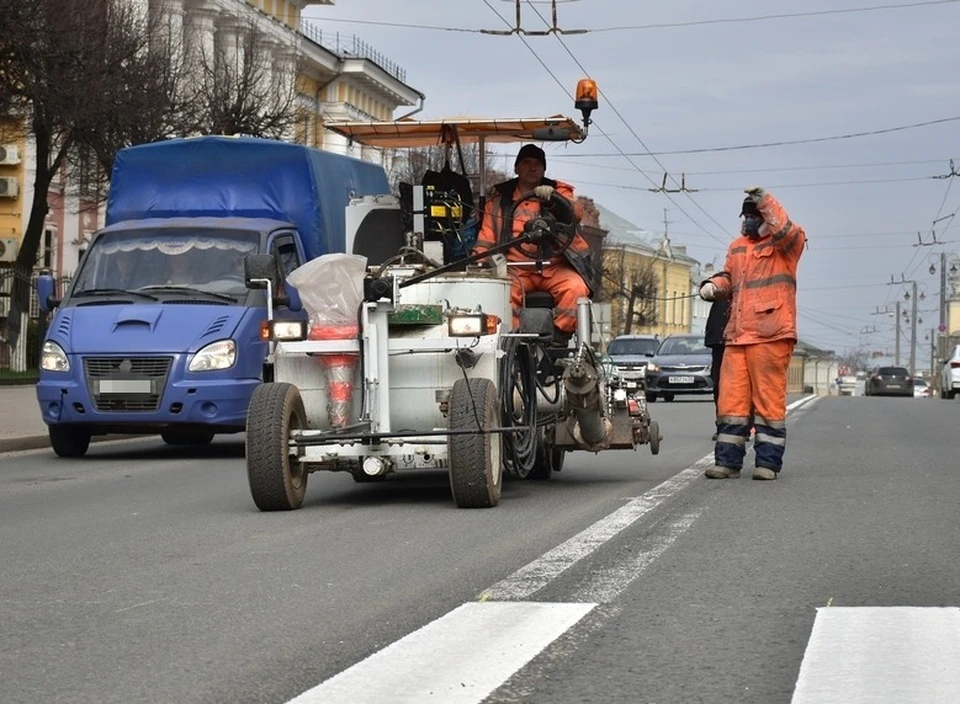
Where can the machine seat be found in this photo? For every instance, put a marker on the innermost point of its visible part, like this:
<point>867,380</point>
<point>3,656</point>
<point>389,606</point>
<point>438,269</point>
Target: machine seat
<point>538,299</point>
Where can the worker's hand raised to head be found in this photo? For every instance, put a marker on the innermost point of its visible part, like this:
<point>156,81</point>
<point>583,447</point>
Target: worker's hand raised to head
<point>544,192</point>
<point>708,291</point>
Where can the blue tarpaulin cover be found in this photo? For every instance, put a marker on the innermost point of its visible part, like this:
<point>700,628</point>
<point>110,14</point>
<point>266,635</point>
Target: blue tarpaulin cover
<point>243,177</point>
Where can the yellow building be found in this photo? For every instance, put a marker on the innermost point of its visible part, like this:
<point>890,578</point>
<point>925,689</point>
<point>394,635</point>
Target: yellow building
<point>648,274</point>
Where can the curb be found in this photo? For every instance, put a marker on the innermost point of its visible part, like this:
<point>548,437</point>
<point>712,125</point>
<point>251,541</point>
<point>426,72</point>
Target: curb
<point>39,442</point>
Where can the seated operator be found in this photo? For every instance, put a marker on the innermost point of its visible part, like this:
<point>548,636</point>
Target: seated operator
<point>564,275</point>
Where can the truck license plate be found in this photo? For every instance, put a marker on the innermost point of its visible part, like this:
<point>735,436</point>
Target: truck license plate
<point>681,380</point>
<point>125,386</point>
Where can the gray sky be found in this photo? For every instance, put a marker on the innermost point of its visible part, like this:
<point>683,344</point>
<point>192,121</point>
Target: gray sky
<point>712,84</point>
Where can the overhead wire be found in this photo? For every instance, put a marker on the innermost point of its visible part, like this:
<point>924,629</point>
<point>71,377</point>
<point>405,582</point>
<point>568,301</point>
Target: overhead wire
<point>633,132</point>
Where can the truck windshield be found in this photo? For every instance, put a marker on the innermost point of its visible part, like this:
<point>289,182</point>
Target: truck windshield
<point>208,261</point>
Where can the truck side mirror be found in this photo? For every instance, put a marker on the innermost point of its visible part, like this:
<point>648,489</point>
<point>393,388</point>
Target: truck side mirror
<point>258,270</point>
<point>46,290</point>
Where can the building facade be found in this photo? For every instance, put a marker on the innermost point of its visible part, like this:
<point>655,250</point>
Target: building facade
<point>336,77</point>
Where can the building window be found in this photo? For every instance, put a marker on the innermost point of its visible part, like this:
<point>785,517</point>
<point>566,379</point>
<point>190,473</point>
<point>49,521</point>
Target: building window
<point>45,260</point>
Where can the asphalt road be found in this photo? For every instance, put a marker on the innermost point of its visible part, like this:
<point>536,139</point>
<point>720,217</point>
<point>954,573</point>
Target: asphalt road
<point>144,573</point>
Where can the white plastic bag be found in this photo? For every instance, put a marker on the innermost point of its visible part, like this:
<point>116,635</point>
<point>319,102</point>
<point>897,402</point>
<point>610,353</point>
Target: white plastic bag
<point>331,287</point>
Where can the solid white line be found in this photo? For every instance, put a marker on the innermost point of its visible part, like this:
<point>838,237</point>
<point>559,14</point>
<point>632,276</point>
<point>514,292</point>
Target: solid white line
<point>606,585</point>
<point>458,659</point>
<point>537,574</point>
<point>901,655</point>
<point>801,401</point>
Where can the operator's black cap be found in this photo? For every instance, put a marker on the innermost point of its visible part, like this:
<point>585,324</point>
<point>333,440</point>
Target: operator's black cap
<point>531,151</point>
<point>749,207</point>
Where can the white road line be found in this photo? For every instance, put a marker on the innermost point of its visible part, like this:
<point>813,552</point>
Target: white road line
<point>801,401</point>
<point>901,655</point>
<point>605,586</point>
<point>537,574</point>
<point>458,659</point>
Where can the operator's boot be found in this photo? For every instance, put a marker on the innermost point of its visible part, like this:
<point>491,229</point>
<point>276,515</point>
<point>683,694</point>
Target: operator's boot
<point>720,472</point>
<point>764,473</point>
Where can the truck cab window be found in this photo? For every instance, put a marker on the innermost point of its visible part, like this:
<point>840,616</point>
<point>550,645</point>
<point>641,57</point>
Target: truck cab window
<point>285,252</point>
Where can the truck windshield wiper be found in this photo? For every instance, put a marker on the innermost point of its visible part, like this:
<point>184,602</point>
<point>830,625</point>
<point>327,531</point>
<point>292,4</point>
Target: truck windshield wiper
<point>190,289</point>
<point>113,292</point>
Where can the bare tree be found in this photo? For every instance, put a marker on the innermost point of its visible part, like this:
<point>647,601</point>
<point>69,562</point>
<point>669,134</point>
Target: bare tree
<point>855,359</point>
<point>83,78</point>
<point>634,299</point>
<point>411,165</point>
<point>244,88</point>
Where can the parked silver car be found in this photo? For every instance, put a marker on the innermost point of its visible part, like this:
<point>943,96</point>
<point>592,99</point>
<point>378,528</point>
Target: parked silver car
<point>680,366</point>
<point>950,375</point>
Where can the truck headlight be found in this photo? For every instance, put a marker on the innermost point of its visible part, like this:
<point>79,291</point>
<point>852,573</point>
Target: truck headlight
<point>53,358</point>
<point>221,354</point>
<point>472,325</point>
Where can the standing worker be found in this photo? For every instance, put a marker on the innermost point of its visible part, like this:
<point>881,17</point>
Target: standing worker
<point>713,338</point>
<point>564,275</point>
<point>760,281</point>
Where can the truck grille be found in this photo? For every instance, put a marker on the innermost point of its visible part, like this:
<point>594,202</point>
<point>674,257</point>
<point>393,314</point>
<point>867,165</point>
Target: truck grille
<point>126,383</point>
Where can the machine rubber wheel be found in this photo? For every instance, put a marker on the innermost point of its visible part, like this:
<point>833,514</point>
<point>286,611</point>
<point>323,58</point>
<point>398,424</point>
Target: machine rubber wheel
<point>69,440</point>
<point>277,481</point>
<point>187,437</point>
<point>549,460</point>
<point>654,437</point>
<point>476,472</point>
<point>651,397</point>
<point>668,398</point>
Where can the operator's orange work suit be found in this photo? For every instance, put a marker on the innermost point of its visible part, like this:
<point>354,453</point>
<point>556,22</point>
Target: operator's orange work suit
<point>760,279</point>
<point>558,277</point>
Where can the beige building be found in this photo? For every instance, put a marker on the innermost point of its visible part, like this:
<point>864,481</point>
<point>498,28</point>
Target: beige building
<point>337,77</point>
<point>647,273</point>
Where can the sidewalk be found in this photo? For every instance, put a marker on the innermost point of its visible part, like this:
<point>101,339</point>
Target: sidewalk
<point>21,427</point>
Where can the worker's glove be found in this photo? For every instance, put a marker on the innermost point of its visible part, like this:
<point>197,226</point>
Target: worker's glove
<point>708,291</point>
<point>756,193</point>
<point>544,192</point>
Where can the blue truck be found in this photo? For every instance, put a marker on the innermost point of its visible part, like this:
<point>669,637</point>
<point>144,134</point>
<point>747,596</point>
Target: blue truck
<point>158,332</point>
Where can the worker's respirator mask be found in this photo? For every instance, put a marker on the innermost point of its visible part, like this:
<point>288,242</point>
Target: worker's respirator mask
<point>751,226</point>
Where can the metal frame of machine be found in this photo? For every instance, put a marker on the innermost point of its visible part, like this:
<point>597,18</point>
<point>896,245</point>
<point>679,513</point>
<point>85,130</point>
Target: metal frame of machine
<point>439,380</point>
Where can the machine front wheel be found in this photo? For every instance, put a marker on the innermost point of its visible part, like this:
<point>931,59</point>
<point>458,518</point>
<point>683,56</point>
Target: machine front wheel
<point>654,437</point>
<point>278,481</point>
<point>476,471</point>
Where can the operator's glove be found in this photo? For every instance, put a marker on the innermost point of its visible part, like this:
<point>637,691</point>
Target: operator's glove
<point>756,193</point>
<point>544,192</point>
<point>708,291</point>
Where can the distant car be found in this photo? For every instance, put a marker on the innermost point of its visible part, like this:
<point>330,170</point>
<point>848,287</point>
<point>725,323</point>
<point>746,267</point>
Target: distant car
<point>631,354</point>
<point>950,375</point>
<point>680,366</point>
<point>921,389</point>
<point>889,381</point>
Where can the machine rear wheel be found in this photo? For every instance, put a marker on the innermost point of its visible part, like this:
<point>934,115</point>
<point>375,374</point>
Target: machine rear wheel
<point>278,481</point>
<point>476,472</point>
<point>654,437</point>
<point>549,460</point>
<point>69,440</point>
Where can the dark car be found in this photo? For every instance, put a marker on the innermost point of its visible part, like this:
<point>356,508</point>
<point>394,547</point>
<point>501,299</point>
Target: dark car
<point>680,366</point>
<point>631,354</point>
<point>889,381</point>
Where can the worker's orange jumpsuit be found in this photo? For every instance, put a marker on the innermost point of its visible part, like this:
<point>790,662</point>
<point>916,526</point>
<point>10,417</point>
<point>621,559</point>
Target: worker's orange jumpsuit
<point>760,279</point>
<point>558,277</point>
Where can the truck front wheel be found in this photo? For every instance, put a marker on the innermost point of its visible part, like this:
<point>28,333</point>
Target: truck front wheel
<point>278,481</point>
<point>69,440</point>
